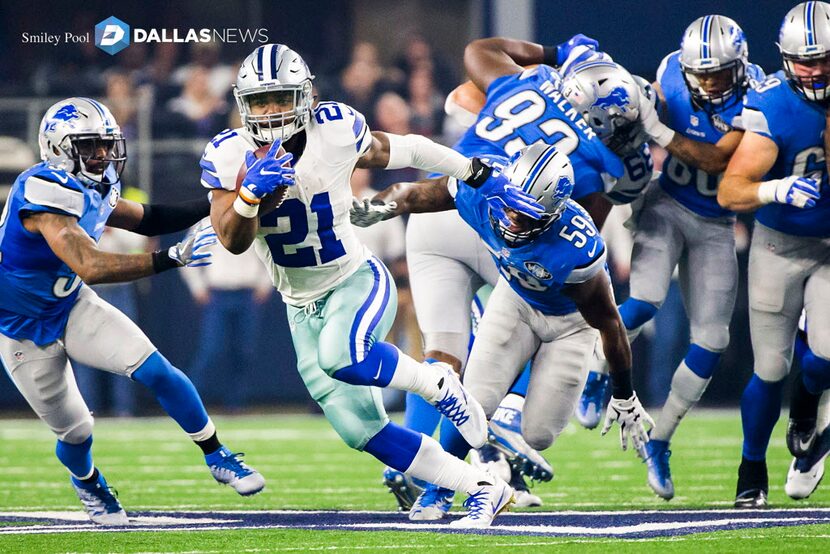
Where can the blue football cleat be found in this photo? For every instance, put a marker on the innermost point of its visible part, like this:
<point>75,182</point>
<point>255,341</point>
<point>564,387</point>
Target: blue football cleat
<point>505,433</point>
<point>432,504</point>
<point>100,502</point>
<point>229,469</point>
<point>405,488</point>
<point>592,402</point>
<point>659,473</point>
<point>490,459</point>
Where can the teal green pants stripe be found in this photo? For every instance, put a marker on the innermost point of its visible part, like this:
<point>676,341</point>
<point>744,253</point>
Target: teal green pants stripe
<point>323,341</point>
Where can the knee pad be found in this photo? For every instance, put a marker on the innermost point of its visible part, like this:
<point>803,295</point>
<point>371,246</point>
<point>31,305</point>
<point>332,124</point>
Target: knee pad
<point>701,361</point>
<point>79,432</point>
<point>636,313</point>
<point>714,338</point>
<point>376,369</point>
<point>538,438</point>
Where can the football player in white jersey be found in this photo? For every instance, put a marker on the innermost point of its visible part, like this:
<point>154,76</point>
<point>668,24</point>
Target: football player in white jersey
<point>341,299</point>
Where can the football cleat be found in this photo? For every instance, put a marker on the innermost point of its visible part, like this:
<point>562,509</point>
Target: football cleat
<point>405,488</point>
<point>464,411</point>
<point>806,472</point>
<point>591,404</point>
<point>505,433</point>
<point>229,469</point>
<point>432,504</point>
<point>524,498</point>
<point>490,459</point>
<point>100,502</point>
<point>753,484</point>
<point>801,435</point>
<point>659,473</point>
<point>485,503</point>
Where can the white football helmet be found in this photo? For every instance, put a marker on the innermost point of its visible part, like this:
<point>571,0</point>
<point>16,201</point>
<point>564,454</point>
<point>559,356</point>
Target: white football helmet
<point>274,73</point>
<point>607,95</point>
<point>547,175</point>
<point>805,37</point>
<point>711,44</point>
<point>81,136</point>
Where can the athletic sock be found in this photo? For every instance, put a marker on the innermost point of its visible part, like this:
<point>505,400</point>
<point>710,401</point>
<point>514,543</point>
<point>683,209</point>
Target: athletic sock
<point>760,408</point>
<point>76,457</point>
<point>209,445</point>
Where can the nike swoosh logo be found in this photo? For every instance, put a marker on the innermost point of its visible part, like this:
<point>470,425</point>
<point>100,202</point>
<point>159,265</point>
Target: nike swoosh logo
<point>804,445</point>
<point>63,179</point>
<point>594,249</point>
<point>380,367</point>
<point>266,172</point>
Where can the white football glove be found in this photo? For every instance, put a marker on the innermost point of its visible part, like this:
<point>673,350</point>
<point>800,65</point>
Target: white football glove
<point>365,214</point>
<point>652,125</point>
<point>801,192</point>
<point>193,250</point>
<point>632,418</point>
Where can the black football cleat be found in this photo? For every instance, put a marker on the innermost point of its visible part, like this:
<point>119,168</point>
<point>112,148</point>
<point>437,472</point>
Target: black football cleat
<point>753,484</point>
<point>801,436</point>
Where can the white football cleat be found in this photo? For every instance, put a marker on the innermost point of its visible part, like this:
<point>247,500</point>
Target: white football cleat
<point>806,473</point>
<point>484,504</point>
<point>228,468</point>
<point>491,460</point>
<point>505,433</point>
<point>100,502</point>
<point>432,504</point>
<point>456,404</point>
<point>526,499</point>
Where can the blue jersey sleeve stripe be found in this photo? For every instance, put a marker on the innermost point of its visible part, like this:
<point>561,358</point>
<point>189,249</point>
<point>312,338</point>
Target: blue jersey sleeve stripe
<point>358,125</point>
<point>207,165</point>
<point>211,180</point>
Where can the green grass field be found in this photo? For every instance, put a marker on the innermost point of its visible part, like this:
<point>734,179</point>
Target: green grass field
<point>154,467</point>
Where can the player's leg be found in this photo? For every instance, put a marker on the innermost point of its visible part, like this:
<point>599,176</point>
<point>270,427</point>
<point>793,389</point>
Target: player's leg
<point>100,336</point>
<point>807,470</point>
<point>776,292</point>
<point>45,379</point>
<point>363,359</point>
<point>658,245</point>
<point>708,280</point>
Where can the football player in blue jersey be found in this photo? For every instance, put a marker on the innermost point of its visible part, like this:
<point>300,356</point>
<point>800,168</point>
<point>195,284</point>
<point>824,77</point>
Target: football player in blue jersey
<point>779,170</point>
<point>55,214</point>
<point>552,297</point>
<point>680,224</point>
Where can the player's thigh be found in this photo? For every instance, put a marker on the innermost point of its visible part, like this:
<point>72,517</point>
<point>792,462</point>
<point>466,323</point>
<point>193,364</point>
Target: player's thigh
<point>503,345</point>
<point>557,377</point>
<point>358,313</point>
<point>709,282</point>
<point>43,376</point>
<point>817,306</point>
<point>658,243</point>
<point>100,336</point>
<point>777,272</point>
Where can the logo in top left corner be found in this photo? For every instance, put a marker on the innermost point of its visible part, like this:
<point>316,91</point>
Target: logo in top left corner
<point>112,35</point>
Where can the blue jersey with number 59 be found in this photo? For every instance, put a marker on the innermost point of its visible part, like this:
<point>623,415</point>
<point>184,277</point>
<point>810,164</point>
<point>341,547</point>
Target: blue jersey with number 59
<point>38,290</point>
<point>570,251</point>
<point>528,107</point>
<point>775,110</point>
<point>690,186</point>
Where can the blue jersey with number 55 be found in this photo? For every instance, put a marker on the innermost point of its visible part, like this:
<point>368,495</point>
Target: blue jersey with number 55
<point>776,111</point>
<point>570,251</point>
<point>38,290</point>
<point>692,187</point>
<point>528,107</point>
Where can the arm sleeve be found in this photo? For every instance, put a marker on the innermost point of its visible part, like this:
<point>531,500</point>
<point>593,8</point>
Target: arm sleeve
<point>160,219</point>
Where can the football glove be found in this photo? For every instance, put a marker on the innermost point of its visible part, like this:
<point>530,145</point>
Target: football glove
<point>652,125</point>
<point>501,193</point>
<point>193,250</point>
<point>365,213</point>
<point>265,174</point>
<point>632,417</point>
<point>801,192</point>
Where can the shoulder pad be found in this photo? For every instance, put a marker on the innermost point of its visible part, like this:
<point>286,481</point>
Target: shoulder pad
<point>55,189</point>
<point>664,65</point>
<point>343,130</point>
<point>223,157</point>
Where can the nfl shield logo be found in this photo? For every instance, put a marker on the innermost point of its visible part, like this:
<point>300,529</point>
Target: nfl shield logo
<point>19,356</point>
<point>694,121</point>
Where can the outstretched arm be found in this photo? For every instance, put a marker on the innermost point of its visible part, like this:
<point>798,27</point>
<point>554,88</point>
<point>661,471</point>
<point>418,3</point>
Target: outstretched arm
<point>487,59</point>
<point>711,158</point>
<point>158,219</point>
<point>76,249</point>
<point>428,195</point>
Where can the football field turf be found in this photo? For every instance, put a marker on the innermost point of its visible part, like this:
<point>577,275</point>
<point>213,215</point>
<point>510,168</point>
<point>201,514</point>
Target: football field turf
<point>313,478</point>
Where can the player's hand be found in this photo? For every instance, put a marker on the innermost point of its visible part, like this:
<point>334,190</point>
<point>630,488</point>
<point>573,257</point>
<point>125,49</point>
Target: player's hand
<point>265,174</point>
<point>193,250</point>
<point>564,50</point>
<point>801,192</point>
<point>652,125</point>
<point>501,193</point>
<point>365,213</point>
<point>632,418</point>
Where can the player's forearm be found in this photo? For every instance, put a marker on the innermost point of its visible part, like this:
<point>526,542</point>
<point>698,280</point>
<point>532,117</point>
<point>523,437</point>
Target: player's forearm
<point>711,158</point>
<point>95,266</point>
<point>488,58</point>
<point>739,194</point>
<point>235,232</point>
<point>429,195</point>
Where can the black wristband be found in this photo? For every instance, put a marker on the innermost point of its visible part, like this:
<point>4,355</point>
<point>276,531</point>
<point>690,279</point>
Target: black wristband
<point>160,219</point>
<point>550,55</point>
<point>481,173</point>
<point>621,386</point>
<point>162,261</point>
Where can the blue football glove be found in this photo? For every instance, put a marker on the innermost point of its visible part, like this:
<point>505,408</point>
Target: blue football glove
<point>564,50</point>
<point>801,192</point>
<point>265,174</point>
<point>501,193</point>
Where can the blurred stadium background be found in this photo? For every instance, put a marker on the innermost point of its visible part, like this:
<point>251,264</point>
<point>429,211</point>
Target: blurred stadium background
<point>393,61</point>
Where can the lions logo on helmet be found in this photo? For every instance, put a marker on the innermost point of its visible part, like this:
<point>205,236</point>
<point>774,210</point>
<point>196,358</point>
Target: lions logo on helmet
<point>81,137</point>
<point>804,38</point>
<point>273,92</point>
